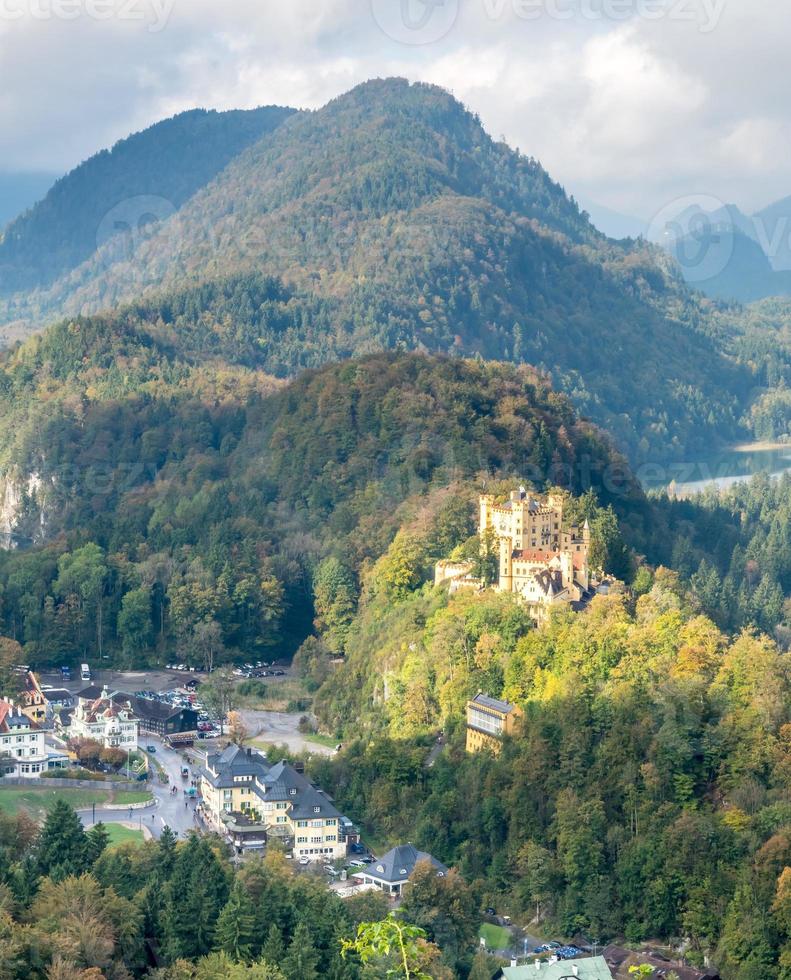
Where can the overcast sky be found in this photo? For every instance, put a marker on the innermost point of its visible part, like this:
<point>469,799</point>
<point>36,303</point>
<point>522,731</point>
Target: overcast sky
<point>630,103</point>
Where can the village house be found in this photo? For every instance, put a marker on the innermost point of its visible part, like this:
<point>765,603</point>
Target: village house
<point>163,719</point>
<point>488,721</point>
<point>391,873</point>
<point>41,704</point>
<point>23,748</point>
<point>621,960</point>
<point>538,559</point>
<point>253,803</point>
<point>106,718</point>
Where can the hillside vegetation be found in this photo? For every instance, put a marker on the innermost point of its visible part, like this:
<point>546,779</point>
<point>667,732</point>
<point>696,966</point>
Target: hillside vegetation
<point>118,192</point>
<point>204,497</point>
<point>393,221</point>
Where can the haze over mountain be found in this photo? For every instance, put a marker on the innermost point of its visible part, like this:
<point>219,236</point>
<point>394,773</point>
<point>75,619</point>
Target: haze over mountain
<point>142,180</point>
<point>390,219</point>
<point>19,191</point>
<point>730,255</point>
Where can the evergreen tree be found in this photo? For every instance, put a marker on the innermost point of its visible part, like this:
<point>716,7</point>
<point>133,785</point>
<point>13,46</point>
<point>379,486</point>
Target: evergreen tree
<point>236,925</point>
<point>63,848</point>
<point>302,959</point>
<point>167,852</point>
<point>274,949</point>
<point>194,896</point>
<point>97,839</point>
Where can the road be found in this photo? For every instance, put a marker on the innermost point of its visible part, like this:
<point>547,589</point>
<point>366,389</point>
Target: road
<point>169,810</point>
<point>281,729</point>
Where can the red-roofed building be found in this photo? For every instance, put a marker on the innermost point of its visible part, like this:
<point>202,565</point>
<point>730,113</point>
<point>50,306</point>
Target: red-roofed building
<point>108,719</point>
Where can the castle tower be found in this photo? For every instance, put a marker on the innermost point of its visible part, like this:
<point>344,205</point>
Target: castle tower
<point>485,504</point>
<point>506,571</point>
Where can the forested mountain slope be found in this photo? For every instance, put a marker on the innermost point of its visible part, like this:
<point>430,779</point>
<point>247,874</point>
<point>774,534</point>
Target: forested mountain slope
<point>394,221</point>
<point>222,483</point>
<point>143,179</point>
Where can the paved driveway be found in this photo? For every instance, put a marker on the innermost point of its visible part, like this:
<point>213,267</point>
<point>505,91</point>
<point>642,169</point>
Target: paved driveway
<point>175,811</point>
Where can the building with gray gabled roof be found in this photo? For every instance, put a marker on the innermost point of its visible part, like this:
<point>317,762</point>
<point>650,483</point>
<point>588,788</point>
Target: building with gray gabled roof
<point>392,871</point>
<point>255,802</point>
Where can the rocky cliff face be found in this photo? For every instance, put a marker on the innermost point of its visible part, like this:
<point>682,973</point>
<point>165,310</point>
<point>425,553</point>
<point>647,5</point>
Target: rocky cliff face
<point>16,494</point>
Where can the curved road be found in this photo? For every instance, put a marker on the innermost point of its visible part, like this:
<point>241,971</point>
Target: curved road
<point>169,811</point>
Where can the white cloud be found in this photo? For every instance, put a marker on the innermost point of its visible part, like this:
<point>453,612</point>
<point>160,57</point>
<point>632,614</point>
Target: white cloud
<point>632,112</point>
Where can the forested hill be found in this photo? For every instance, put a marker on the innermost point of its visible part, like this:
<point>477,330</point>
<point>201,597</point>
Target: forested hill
<point>142,179</point>
<point>392,220</point>
<point>217,481</point>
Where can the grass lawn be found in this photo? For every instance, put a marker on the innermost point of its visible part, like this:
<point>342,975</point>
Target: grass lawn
<point>38,801</point>
<point>120,834</point>
<point>496,936</point>
<point>132,796</point>
<point>328,740</point>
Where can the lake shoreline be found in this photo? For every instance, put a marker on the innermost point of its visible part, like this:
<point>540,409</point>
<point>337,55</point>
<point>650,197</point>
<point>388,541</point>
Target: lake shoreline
<point>764,446</point>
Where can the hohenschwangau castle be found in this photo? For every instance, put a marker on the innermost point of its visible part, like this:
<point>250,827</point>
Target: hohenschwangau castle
<point>540,561</point>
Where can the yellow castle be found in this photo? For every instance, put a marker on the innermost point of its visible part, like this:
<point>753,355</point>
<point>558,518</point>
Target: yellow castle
<point>542,562</point>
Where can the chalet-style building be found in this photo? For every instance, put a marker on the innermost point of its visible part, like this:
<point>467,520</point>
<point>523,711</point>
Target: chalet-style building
<point>108,719</point>
<point>40,703</point>
<point>163,719</point>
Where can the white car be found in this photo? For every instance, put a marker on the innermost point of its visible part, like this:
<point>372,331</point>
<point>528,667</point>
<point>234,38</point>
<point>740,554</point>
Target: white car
<point>303,861</point>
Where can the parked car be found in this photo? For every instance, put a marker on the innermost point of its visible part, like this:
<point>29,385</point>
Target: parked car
<point>357,863</point>
<point>303,861</point>
<point>152,749</point>
<point>491,911</point>
<point>331,871</point>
